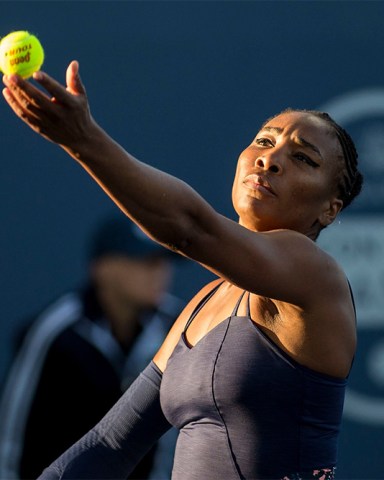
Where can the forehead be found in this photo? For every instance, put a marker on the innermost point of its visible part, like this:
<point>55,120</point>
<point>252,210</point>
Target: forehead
<point>312,128</point>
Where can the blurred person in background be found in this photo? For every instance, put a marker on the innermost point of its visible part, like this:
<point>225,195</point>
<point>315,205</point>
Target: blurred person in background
<point>79,354</point>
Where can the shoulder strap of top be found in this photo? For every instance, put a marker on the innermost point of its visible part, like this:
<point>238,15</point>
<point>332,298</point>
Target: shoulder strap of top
<point>234,313</point>
<point>200,305</point>
<point>249,305</point>
<point>352,297</point>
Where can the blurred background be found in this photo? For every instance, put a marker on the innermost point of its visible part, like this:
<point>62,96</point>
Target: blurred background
<point>184,86</point>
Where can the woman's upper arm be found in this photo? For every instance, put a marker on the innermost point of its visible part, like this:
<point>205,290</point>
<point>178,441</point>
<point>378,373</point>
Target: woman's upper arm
<point>282,264</point>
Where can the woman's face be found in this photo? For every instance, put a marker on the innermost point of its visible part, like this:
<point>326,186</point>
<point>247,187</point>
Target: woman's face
<point>286,178</point>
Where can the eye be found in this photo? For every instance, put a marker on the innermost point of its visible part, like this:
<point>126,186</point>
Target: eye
<point>264,142</point>
<point>302,157</point>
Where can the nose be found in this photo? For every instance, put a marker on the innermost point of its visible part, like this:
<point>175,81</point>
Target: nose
<point>269,163</point>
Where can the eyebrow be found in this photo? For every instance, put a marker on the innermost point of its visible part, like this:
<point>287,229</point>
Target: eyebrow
<point>300,140</point>
<point>277,130</point>
<point>305,143</point>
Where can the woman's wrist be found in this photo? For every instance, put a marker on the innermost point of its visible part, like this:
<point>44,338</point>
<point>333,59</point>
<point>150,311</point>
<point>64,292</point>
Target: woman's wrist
<point>88,145</point>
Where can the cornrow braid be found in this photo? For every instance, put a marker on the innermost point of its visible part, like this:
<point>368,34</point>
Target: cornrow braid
<point>351,181</point>
<point>353,178</point>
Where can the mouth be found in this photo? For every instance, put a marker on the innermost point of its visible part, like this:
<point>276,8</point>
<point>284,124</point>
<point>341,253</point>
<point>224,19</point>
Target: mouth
<point>258,183</point>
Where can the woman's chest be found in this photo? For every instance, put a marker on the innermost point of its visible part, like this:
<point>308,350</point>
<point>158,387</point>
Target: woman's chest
<point>231,367</point>
<point>231,302</point>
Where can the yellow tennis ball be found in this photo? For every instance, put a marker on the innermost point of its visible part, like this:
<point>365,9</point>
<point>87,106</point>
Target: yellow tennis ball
<point>20,53</point>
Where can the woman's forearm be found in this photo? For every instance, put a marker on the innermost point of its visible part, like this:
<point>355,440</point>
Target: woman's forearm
<point>113,448</point>
<point>168,209</point>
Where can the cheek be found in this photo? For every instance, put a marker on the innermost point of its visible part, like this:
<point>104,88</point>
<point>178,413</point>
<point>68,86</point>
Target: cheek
<point>248,155</point>
<point>244,163</point>
<point>311,194</point>
<point>236,178</point>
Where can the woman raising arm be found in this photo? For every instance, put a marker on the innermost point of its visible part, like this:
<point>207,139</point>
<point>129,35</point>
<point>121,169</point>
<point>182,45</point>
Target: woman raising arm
<point>257,362</point>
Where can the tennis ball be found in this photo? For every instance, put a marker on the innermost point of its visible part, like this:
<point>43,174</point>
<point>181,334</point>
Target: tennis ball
<point>20,53</point>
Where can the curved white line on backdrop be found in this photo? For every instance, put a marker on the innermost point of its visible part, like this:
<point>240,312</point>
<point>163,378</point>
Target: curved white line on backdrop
<point>354,105</point>
<point>347,108</point>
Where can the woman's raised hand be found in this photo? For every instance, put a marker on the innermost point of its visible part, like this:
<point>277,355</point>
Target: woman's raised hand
<point>61,115</point>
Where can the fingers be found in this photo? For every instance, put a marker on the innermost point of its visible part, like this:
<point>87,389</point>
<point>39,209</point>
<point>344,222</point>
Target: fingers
<point>23,112</point>
<point>22,96</point>
<point>26,99</point>
<point>59,113</point>
<point>27,94</point>
<point>59,93</point>
<point>74,83</point>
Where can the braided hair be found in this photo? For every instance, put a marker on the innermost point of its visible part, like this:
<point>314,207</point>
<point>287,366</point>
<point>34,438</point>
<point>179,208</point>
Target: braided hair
<point>350,179</point>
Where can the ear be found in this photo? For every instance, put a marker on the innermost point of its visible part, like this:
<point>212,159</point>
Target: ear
<point>328,215</point>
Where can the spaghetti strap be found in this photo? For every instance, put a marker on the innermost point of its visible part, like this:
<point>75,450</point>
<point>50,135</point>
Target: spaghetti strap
<point>249,305</point>
<point>352,297</point>
<point>234,313</point>
<point>200,305</point>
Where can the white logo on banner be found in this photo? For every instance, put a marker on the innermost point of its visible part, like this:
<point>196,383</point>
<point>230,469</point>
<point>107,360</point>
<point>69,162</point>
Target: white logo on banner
<point>357,241</point>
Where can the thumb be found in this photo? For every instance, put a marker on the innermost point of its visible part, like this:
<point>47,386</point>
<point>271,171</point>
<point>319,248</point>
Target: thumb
<point>74,83</point>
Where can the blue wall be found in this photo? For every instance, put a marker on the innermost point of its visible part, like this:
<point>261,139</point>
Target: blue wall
<point>183,86</point>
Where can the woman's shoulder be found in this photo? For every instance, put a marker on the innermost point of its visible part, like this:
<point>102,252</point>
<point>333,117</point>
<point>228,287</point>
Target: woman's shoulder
<point>293,269</point>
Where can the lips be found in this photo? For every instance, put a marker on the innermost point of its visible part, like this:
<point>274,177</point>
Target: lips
<point>259,183</point>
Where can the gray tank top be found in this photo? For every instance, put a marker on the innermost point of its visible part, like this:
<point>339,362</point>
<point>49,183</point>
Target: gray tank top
<point>246,410</point>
